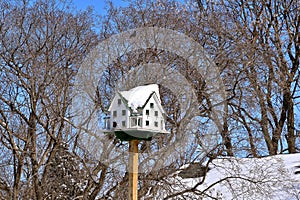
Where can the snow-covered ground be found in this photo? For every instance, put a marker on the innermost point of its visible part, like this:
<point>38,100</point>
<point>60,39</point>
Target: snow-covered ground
<point>273,177</point>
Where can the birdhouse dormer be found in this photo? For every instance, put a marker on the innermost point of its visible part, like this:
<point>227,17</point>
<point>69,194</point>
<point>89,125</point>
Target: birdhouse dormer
<point>137,113</point>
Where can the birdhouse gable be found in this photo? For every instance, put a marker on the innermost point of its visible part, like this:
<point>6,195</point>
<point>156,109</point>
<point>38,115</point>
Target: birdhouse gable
<point>117,102</point>
<point>153,103</point>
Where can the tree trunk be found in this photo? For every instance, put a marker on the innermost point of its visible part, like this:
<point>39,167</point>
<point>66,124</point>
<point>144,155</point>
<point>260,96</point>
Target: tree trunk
<point>291,139</point>
<point>33,156</point>
<point>225,135</point>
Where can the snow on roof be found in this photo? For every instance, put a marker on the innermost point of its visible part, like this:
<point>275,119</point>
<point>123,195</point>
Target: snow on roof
<point>138,96</point>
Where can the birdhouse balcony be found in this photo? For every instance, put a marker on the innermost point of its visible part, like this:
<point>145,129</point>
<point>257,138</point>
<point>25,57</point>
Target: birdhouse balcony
<point>136,122</point>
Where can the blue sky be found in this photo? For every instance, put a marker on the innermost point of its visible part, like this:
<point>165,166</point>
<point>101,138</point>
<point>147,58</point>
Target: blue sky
<point>98,5</point>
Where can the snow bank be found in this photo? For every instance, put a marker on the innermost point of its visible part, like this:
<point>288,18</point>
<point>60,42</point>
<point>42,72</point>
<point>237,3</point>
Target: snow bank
<point>268,178</point>
<point>271,177</point>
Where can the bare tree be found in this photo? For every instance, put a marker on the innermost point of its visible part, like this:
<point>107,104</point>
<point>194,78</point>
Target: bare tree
<point>41,43</point>
<point>257,48</point>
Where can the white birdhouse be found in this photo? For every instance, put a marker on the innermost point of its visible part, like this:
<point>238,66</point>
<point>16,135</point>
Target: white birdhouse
<point>136,114</point>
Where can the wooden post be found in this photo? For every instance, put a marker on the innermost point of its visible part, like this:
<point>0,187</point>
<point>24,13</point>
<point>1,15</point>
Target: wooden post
<point>133,170</point>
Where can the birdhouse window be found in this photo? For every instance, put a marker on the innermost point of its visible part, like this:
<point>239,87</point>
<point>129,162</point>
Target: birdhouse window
<point>123,123</point>
<point>147,112</point>
<point>123,112</point>
<point>147,123</point>
<point>119,101</point>
<point>156,124</point>
<point>156,113</point>
<point>115,113</point>
<point>151,105</point>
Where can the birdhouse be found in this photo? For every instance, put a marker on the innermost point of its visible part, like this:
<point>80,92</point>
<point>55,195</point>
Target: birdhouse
<point>136,114</point>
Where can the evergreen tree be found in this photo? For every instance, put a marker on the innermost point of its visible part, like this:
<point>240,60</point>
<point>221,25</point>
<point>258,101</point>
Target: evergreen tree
<point>66,179</point>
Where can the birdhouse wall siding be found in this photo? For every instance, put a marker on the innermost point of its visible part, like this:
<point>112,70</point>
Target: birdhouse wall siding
<point>116,114</point>
<point>152,117</point>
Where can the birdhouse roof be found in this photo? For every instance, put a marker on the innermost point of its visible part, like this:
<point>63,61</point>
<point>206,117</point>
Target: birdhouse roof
<point>139,96</point>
